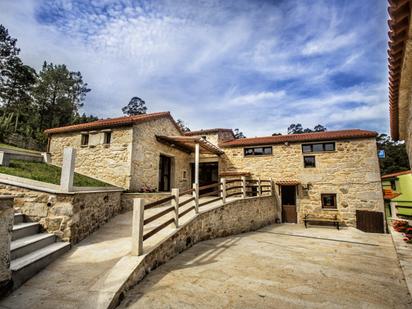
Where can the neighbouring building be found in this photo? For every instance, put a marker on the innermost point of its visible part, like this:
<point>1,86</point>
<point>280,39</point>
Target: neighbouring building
<point>324,173</point>
<point>400,72</point>
<point>397,188</point>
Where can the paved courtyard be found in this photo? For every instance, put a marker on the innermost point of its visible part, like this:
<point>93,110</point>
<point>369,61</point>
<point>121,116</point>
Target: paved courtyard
<point>281,266</point>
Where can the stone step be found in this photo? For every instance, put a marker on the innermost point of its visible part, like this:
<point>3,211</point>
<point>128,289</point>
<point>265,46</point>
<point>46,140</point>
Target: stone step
<point>26,245</point>
<point>25,229</point>
<point>18,218</point>
<point>27,266</point>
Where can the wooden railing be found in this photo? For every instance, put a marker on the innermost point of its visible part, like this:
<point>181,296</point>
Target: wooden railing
<point>174,203</point>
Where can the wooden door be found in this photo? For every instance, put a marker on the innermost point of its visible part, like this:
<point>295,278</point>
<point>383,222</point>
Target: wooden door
<point>288,197</point>
<point>369,221</point>
<point>164,173</point>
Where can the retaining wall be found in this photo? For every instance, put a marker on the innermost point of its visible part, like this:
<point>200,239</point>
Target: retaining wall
<point>6,226</point>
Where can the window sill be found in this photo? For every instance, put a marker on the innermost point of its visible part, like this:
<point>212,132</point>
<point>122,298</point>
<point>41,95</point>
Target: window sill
<point>330,209</point>
<point>258,156</point>
<point>318,152</point>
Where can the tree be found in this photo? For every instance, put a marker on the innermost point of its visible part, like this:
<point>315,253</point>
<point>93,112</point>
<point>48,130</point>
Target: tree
<point>182,125</point>
<point>136,106</point>
<point>319,128</point>
<point>84,118</point>
<point>396,158</point>
<point>238,134</point>
<point>59,94</point>
<point>298,129</point>
<point>276,134</point>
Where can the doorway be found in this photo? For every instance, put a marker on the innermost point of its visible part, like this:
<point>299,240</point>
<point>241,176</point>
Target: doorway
<point>208,174</point>
<point>165,170</point>
<point>288,197</point>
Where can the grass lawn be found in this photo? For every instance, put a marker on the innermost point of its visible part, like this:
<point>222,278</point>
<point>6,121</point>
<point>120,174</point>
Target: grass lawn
<point>46,173</point>
<point>17,148</point>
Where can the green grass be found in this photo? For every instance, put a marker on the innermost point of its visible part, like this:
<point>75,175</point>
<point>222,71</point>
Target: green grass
<point>46,173</point>
<point>17,148</point>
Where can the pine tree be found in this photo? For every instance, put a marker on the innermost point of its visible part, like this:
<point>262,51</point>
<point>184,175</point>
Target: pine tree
<point>136,106</point>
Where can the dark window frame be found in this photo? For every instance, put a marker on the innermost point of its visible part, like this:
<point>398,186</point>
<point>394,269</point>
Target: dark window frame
<point>311,146</point>
<point>107,138</point>
<point>85,138</point>
<point>253,152</point>
<point>309,166</point>
<point>334,196</point>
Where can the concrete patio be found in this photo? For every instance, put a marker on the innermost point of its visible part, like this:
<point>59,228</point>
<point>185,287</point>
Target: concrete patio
<point>281,266</point>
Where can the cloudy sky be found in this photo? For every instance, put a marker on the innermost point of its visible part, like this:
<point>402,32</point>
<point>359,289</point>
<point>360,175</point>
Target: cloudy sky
<point>254,65</point>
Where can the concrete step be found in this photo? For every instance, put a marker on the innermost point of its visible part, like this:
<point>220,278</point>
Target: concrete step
<point>27,266</point>
<point>25,229</point>
<point>18,218</point>
<point>26,245</point>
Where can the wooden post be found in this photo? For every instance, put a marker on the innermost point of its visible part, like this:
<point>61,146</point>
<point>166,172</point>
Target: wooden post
<point>175,203</point>
<point>137,226</point>
<point>243,186</point>
<point>259,187</point>
<point>223,193</point>
<point>394,211</point>
<point>196,196</point>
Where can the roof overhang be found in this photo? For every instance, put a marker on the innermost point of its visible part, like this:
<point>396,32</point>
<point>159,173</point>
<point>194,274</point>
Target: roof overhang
<point>188,144</point>
<point>288,182</point>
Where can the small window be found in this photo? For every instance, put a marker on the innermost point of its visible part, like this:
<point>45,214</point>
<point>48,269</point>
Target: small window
<point>184,175</point>
<point>329,201</point>
<point>257,151</point>
<point>309,161</point>
<point>107,137</point>
<point>319,147</point>
<point>85,140</point>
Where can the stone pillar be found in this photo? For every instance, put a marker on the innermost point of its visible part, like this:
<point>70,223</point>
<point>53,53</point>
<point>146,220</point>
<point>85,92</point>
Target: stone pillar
<point>67,176</point>
<point>243,186</point>
<point>6,228</point>
<point>394,211</point>
<point>223,193</point>
<point>175,203</point>
<point>46,157</point>
<point>137,227</point>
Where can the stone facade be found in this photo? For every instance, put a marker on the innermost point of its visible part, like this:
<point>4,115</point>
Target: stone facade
<point>6,226</point>
<point>351,172</point>
<point>146,153</point>
<point>106,162</point>
<point>71,217</point>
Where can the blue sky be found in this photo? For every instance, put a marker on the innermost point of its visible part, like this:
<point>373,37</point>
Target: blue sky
<point>253,65</point>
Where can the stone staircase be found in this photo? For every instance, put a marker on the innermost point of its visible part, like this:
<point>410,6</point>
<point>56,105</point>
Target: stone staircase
<point>31,250</point>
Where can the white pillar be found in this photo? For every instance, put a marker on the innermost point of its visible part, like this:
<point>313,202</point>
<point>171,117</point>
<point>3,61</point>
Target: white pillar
<point>137,227</point>
<point>259,187</point>
<point>197,155</point>
<point>175,203</point>
<point>223,193</point>
<point>196,196</point>
<point>243,186</point>
<point>394,213</point>
<point>67,175</point>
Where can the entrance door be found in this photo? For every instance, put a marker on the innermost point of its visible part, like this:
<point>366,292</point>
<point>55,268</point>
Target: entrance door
<point>165,165</point>
<point>208,174</point>
<point>288,196</point>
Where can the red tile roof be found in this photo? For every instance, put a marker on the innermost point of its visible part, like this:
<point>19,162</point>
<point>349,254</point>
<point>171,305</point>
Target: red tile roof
<point>208,131</point>
<point>392,175</point>
<point>399,11</point>
<point>305,137</point>
<point>112,122</point>
<point>389,194</point>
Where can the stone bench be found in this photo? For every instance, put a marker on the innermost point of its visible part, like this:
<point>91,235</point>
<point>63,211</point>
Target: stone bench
<point>310,218</point>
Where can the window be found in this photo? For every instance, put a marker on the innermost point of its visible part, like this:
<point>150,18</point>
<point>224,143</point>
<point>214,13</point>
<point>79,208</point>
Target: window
<point>329,201</point>
<point>309,161</point>
<point>85,140</point>
<point>184,175</point>
<point>257,151</point>
<point>107,137</point>
<point>319,147</point>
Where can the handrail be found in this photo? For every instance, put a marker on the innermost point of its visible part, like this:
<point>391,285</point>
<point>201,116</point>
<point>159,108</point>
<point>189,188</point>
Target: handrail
<point>158,202</point>
<point>157,229</point>
<point>210,201</point>
<point>234,187</point>
<point>187,201</point>
<point>186,211</point>
<point>233,180</point>
<point>209,186</point>
<point>158,215</point>
<point>186,192</point>
<point>211,193</point>
<point>234,193</point>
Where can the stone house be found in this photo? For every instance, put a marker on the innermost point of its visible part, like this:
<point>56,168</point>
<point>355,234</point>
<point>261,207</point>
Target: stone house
<point>326,173</point>
<point>400,72</point>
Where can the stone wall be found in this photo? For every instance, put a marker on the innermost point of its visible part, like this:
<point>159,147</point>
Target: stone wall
<point>146,154</point>
<point>6,226</point>
<point>109,163</point>
<point>352,172</point>
<point>71,217</point>
<point>235,217</point>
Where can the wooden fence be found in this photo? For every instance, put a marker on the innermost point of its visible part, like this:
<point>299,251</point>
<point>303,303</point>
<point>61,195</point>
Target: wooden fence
<point>240,187</point>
